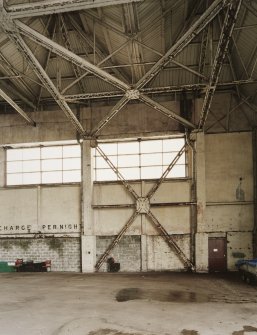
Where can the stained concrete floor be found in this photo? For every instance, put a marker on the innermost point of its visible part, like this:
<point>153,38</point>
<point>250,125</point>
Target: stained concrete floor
<point>126,304</point>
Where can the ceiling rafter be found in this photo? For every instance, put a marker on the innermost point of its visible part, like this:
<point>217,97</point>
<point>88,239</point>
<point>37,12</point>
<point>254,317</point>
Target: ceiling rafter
<point>96,44</point>
<point>183,41</point>
<point>226,33</point>
<point>65,35</point>
<point>48,7</point>
<point>70,56</point>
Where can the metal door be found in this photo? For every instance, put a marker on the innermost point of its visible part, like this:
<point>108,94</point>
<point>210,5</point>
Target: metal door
<point>217,254</point>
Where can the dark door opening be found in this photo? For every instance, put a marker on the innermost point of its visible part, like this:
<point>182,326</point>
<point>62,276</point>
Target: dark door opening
<point>217,254</point>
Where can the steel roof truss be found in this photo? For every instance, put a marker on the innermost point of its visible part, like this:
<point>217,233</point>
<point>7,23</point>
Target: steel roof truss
<point>70,56</point>
<point>48,7</point>
<point>227,30</point>
<point>191,33</point>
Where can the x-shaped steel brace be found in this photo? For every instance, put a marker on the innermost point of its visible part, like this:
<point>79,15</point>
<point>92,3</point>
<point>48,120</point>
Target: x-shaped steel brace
<point>143,206</point>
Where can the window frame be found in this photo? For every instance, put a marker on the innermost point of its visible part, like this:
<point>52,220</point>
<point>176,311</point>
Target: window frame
<point>41,172</point>
<point>115,159</point>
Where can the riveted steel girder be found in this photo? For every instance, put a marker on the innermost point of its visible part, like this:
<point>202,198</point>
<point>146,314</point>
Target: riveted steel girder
<point>227,30</point>
<point>48,7</point>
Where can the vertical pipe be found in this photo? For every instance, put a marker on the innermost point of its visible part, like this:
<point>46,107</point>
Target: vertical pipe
<point>255,190</point>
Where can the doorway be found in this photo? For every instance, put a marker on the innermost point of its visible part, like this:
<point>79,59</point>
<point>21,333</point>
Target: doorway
<point>217,254</point>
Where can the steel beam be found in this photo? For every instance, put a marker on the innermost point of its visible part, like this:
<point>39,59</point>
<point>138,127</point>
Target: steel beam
<point>119,175</point>
<point>120,104</point>
<point>166,172</point>
<point>158,90</point>
<point>155,105</point>
<point>17,108</point>
<point>70,56</point>
<point>116,240</point>
<point>192,32</point>
<point>11,88</point>
<point>227,30</point>
<point>48,7</point>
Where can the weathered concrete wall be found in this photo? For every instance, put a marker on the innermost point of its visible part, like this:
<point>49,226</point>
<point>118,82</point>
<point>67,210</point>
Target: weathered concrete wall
<point>132,120</point>
<point>49,210</point>
<point>127,252</point>
<point>229,191</point>
<point>29,216</point>
<point>161,257</point>
<point>64,253</point>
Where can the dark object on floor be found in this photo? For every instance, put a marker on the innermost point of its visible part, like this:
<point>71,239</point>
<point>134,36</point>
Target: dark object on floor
<point>248,270</point>
<point>112,265</point>
<point>30,266</point>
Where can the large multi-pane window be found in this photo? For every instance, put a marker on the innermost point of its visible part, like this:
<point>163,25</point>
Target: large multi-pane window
<point>56,164</point>
<point>141,159</point>
<point>43,165</point>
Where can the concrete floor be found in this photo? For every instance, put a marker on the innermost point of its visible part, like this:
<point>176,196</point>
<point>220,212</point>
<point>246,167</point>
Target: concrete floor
<point>126,304</point>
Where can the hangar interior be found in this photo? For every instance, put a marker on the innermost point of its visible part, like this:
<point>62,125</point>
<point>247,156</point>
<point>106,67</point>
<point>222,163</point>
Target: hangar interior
<point>128,131</point>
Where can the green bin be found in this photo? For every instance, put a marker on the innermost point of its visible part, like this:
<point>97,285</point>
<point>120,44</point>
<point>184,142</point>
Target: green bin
<point>4,267</point>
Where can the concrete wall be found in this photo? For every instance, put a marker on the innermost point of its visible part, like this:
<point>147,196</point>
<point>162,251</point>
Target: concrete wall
<point>225,199</point>
<point>64,253</point>
<point>36,210</point>
<point>34,221</point>
<point>229,192</point>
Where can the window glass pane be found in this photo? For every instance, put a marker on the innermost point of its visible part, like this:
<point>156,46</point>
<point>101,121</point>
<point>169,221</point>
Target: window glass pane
<point>30,153</point>
<point>101,163</point>
<point>51,152</point>
<point>71,164</point>
<point>168,158</point>
<point>174,144</point>
<point>130,173</point>
<point>151,172</point>
<point>31,166</point>
<point>14,167</point>
<point>52,177</point>
<point>14,179</point>
<point>108,148</point>
<point>31,178</point>
<point>71,176</point>
<point>128,148</point>
<point>128,160</point>
<point>151,159</point>
<point>13,154</point>
<point>151,146</point>
<point>105,174</point>
<point>178,171</point>
<point>71,151</point>
<point>51,164</point>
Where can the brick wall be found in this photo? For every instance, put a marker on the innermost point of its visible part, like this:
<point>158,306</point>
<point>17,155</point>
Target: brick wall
<point>127,252</point>
<point>63,252</point>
